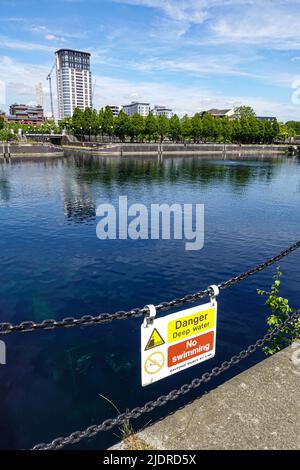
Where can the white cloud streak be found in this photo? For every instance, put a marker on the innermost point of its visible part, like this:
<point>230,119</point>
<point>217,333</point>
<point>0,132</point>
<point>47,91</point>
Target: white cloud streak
<point>269,23</point>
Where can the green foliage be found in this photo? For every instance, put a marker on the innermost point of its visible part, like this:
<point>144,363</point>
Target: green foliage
<point>150,127</point>
<point>280,309</point>
<point>245,112</point>
<point>196,127</point>
<point>163,126</point>
<point>175,128</point>
<point>186,127</point>
<point>137,127</point>
<point>209,127</point>
<point>1,123</point>
<point>294,125</point>
<point>6,135</point>
<point>122,126</point>
<point>107,123</point>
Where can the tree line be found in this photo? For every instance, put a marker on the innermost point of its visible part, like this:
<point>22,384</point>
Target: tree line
<point>245,129</point>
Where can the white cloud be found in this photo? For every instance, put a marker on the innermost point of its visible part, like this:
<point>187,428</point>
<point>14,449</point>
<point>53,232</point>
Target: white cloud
<point>264,23</point>
<point>196,65</point>
<point>9,43</point>
<point>53,37</point>
<point>277,27</point>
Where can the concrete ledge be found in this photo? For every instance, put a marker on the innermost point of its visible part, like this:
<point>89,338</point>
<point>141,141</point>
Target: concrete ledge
<point>258,409</point>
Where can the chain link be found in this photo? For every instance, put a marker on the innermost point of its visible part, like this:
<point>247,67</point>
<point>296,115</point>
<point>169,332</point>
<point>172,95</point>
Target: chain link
<point>28,326</point>
<point>77,436</point>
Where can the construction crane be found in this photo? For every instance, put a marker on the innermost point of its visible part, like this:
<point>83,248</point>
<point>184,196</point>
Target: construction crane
<point>49,78</point>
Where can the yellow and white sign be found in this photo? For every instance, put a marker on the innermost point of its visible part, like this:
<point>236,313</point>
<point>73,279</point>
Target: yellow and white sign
<point>173,343</point>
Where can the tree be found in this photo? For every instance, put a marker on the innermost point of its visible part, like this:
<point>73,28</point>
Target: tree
<point>122,126</point>
<point>150,127</point>
<point>186,127</point>
<point>236,131</point>
<point>1,123</point>
<point>275,129</point>
<point>107,120</point>
<point>6,135</point>
<point>245,112</point>
<point>208,127</point>
<point>163,126</point>
<point>268,132</point>
<point>196,127</point>
<point>78,121</point>
<point>175,128</point>
<point>94,123</point>
<point>226,130</point>
<point>137,127</point>
<point>295,125</point>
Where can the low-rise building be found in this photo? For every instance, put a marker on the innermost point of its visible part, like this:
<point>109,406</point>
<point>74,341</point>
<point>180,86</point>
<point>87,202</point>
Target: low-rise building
<point>24,114</point>
<point>266,118</point>
<point>115,110</point>
<point>143,109</point>
<point>162,111</point>
<point>222,113</point>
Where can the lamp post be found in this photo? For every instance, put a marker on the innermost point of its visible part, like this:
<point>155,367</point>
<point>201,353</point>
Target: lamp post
<point>90,129</point>
<point>112,127</point>
<point>81,134</point>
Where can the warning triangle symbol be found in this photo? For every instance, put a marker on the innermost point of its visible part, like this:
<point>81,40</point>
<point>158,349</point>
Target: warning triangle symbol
<point>154,340</point>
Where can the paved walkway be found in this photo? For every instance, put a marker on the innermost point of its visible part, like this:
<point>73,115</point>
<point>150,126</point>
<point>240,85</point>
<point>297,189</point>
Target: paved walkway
<point>258,409</point>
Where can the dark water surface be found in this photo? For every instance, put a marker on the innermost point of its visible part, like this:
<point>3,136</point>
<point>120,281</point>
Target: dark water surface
<point>53,265</point>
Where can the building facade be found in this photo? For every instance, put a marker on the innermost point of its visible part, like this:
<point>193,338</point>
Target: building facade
<point>74,81</point>
<point>143,109</point>
<point>24,114</point>
<point>266,118</point>
<point>222,113</point>
<point>162,111</point>
<point>115,110</point>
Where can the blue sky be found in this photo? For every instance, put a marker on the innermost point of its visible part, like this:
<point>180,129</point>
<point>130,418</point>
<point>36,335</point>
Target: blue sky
<point>191,55</point>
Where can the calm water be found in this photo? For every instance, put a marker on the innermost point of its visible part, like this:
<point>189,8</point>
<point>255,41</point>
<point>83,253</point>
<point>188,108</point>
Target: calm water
<point>53,265</point>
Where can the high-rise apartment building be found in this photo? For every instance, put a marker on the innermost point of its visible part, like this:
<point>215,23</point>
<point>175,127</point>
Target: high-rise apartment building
<point>74,81</point>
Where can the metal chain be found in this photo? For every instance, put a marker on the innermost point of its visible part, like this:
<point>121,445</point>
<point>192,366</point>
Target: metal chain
<point>135,413</point>
<point>28,326</point>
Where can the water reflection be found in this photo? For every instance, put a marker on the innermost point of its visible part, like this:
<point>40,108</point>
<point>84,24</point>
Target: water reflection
<point>5,188</point>
<point>202,170</point>
<point>78,201</point>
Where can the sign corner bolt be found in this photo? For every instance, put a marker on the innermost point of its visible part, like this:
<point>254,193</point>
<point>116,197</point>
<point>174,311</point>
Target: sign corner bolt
<point>214,292</point>
<point>149,319</point>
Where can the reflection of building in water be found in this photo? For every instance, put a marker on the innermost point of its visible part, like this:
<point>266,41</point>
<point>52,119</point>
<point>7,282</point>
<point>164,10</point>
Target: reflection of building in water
<point>5,188</point>
<point>79,204</point>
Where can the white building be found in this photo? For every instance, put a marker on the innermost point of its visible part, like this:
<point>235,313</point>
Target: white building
<point>143,109</point>
<point>115,110</point>
<point>229,113</point>
<point>162,111</point>
<point>74,81</point>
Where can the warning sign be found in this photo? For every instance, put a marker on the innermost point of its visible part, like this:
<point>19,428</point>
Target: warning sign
<point>173,343</point>
<point>180,352</point>
<point>154,340</point>
<point>154,363</point>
